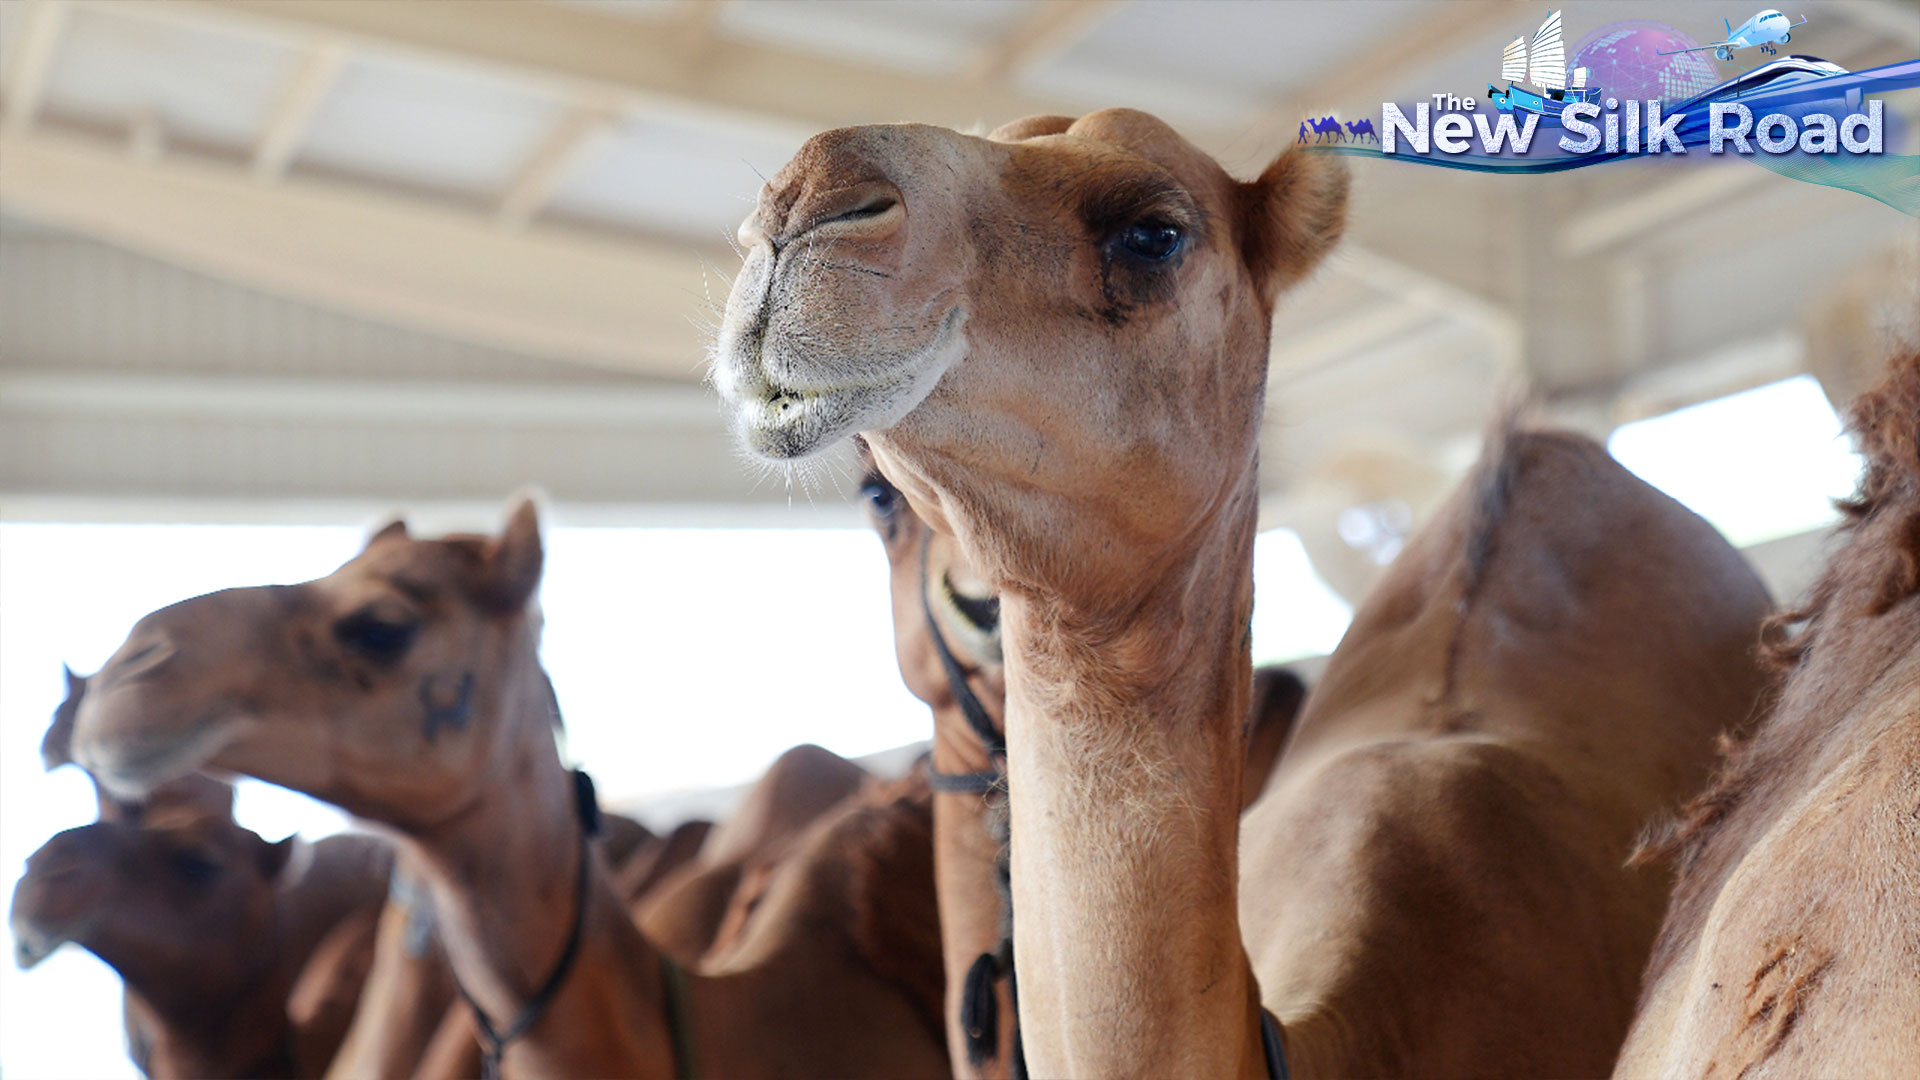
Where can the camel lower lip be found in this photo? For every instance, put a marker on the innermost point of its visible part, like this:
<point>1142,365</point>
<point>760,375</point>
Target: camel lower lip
<point>132,769</point>
<point>786,423</point>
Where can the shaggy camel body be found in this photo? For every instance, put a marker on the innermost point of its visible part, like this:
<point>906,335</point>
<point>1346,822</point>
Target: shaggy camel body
<point>211,930</point>
<point>1054,340</point>
<point>932,582</point>
<point>406,689</point>
<point>1792,947</point>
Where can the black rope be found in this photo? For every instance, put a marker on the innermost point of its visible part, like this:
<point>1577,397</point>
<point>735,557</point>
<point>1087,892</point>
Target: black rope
<point>493,1041</point>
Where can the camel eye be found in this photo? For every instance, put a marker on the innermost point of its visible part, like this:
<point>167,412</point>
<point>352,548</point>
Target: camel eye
<point>1154,241</point>
<point>193,867</point>
<point>882,496</point>
<point>374,637</point>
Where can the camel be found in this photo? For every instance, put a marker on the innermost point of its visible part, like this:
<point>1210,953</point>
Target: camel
<point>655,861</point>
<point>1054,341</point>
<point>187,819</point>
<point>681,915</point>
<point>943,613</point>
<point>1792,947</point>
<point>211,929</point>
<point>411,1021</point>
<point>405,688</point>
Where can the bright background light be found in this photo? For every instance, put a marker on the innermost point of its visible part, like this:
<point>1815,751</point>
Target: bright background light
<point>1760,464</point>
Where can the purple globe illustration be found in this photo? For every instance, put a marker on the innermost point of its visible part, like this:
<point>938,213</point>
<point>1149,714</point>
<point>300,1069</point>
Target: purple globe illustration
<point>1623,59</point>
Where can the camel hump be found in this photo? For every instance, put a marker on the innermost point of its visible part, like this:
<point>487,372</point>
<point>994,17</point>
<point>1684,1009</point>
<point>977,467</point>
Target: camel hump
<point>802,784</point>
<point>1556,524</point>
<point>1585,592</point>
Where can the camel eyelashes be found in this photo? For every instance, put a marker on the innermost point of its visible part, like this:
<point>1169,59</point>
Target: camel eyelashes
<point>375,637</point>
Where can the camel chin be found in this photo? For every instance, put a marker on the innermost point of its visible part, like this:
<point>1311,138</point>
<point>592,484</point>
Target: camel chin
<point>790,399</point>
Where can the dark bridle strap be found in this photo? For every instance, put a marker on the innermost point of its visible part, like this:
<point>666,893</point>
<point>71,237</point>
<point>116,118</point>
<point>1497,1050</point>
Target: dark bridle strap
<point>979,1006</point>
<point>494,1041</point>
<point>1275,1050</point>
<point>970,707</point>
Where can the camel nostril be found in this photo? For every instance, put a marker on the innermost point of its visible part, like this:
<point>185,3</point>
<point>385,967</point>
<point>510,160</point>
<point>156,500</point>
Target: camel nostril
<point>867,211</point>
<point>872,208</point>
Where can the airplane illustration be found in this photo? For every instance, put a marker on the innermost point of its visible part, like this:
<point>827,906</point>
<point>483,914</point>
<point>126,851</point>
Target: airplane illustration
<point>1766,30</point>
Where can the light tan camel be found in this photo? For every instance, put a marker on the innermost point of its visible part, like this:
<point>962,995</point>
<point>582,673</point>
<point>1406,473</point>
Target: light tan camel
<point>941,605</point>
<point>210,929</point>
<point>1792,948</point>
<point>406,688</point>
<point>1055,341</point>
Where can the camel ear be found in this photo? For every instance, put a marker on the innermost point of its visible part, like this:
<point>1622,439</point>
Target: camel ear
<point>272,856</point>
<point>57,748</point>
<point>1291,217</point>
<point>392,530</point>
<point>511,562</point>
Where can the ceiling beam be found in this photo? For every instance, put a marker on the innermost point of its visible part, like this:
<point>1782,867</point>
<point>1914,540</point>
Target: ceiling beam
<point>534,183</point>
<point>1390,60</point>
<point>299,99</point>
<point>421,402</point>
<point>644,62</point>
<point>1048,30</point>
<point>445,271</point>
<point>30,62</point>
<point>1613,223</point>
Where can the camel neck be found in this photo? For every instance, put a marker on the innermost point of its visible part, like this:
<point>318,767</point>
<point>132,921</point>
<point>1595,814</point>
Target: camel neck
<point>504,875</point>
<point>1125,758</point>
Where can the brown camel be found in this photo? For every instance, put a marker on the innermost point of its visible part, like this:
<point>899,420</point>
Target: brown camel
<point>657,859</point>
<point>1054,340</point>
<point>1792,947</point>
<point>211,930</point>
<point>683,912</point>
<point>410,1021</point>
<point>406,688</point>
<point>934,588</point>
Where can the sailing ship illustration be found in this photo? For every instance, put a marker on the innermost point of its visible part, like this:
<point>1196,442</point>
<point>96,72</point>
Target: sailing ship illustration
<point>1545,67</point>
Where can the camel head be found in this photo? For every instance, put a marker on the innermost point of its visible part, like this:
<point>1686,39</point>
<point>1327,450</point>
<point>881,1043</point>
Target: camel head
<point>187,906</point>
<point>1066,320</point>
<point>928,572</point>
<point>382,688</point>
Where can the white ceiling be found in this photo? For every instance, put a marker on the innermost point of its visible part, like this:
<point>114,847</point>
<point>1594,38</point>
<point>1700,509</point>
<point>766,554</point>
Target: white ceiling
<point>540,195</point>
